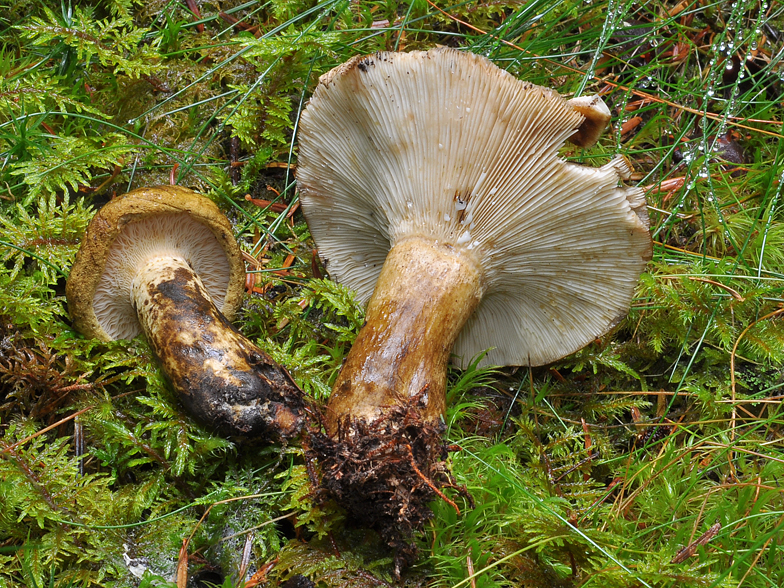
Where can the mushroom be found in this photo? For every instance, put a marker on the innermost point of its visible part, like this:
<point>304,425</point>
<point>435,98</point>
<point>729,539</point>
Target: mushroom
<point>432,186</point>
<point>164,261</point>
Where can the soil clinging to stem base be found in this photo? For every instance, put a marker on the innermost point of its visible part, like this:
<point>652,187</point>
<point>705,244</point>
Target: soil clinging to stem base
<point>385,472</point>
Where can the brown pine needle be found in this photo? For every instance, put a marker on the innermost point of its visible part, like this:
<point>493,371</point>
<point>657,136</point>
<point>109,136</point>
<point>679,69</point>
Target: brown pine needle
<point>733,420</point>
<point>46,429</point>
<point>691,549</point>
<point>734,293</point>
<point>427,481</point>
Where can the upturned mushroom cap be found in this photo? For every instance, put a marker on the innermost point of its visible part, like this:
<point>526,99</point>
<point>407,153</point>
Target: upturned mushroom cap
<point>444,145</point>
<point>142,224</point>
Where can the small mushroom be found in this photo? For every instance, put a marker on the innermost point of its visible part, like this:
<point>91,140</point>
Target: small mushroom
<point>432,185</point>
<point>164,261</point>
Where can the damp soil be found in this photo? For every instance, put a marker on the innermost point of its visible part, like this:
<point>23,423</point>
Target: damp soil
<point>385,473</point>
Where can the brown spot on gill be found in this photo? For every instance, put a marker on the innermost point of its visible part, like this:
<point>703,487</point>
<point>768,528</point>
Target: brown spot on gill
<point>461,199</point>
<point>364,64</point>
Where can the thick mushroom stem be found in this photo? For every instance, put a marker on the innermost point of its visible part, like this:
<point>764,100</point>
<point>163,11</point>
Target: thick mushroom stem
<point>221,377</point>
<point>423,297</point>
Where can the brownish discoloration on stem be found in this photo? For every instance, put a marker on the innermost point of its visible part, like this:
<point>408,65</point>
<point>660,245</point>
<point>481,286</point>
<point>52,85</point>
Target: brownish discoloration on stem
<point>424,295</point>
<point>221,377</point>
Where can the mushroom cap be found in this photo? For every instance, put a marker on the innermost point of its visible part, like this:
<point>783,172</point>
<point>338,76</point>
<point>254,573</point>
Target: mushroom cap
<point>445,145</point>
<point>150,222</point>
<point>596,114</point>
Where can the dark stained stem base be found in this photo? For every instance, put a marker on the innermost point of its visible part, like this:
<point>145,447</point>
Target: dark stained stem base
<point>222,379</point>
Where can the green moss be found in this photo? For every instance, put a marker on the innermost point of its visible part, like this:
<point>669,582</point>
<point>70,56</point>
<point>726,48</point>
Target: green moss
<point>597,470</point>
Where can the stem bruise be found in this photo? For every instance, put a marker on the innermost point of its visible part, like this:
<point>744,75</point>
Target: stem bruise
<point>220,376</point>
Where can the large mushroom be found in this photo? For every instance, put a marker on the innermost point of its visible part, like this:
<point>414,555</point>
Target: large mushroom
<point>432,185</point>
<point>164,261</point>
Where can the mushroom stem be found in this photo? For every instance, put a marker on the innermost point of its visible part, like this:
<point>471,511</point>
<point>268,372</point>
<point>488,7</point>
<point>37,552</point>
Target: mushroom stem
<point>424,295</point>
<point>223,378</point>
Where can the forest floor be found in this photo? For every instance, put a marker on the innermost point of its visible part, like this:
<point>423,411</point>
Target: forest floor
<point>652,457</point>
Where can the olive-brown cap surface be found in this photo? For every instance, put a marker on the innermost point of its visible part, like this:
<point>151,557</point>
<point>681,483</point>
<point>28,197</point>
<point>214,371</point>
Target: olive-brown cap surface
<point>146,223</point>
